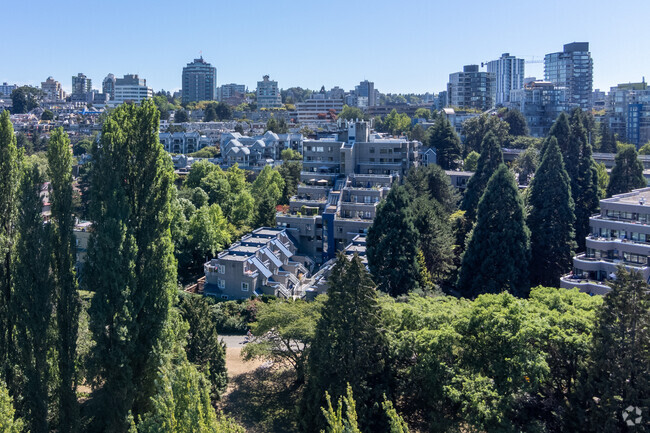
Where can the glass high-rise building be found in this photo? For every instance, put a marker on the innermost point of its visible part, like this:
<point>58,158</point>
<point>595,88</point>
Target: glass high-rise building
<point>471,89</point>
<point>509,74</point>
<point>199,81</point>
<point>573,69</point>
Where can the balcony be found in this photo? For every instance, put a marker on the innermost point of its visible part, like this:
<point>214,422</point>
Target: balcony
<point>585,285</point>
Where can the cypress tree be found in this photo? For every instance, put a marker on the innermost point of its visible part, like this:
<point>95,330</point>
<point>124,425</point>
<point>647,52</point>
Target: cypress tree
<point>10,161</point>
<point>444,139</point>
<point>490,159</point>
<point>627,173</point>
<point>617,376</point>
<point>550,220</point>
<point>131,266</point>
<point>498,251</point>
<point>32,301</point>
<point>349,347</point>
<point>393,245</point>
<point>59,159</point>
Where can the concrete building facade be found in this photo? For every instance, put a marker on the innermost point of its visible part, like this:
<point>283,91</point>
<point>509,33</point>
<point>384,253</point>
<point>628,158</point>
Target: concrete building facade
<point>572,68</point>
<point>199,81</point>
<point>268,93</point>
<point>471,88</point>
<point>108,86</point>
<point>52,90</point>
<point>509,75</point>
<point>540,102</point>
<point>131,88</point>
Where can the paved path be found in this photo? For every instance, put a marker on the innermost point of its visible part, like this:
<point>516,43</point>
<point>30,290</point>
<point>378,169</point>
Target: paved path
<point>233,340</point>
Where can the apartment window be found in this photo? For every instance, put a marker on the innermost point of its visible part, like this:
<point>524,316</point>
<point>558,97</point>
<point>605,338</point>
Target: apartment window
<point>372,150</point>
<point>221,283</point>
<point>367,214</point>
<point>383,151</point>
<point>224,296</point>
<point>221,269</point>
<point>308,226</point>
<point>244,287</point>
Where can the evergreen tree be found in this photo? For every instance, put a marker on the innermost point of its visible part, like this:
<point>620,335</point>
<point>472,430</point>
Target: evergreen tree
<point>32,301</point>
<point>607,139</point>
<point>584,187</point>
<point>393,245</point>
<point>561,130</point>
<point>436,241</point>
<point>550,220</point>
<point>433,183</point>
<point>490,159</point>
<point>130,264</point>
<point>203,347</point>
<point>627,173</point>
<point>444,139</point>
<point>476,129</point>
<point>498,251</point>
<point>516,122</point>
<point>349,348</point>
<point>63,262</point>
<point>617,376</point>
<point>265,214</point>
<point>8,422</point>
<point>10,161</point>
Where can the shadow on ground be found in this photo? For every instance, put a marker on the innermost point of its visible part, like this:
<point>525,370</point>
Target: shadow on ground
<point>263,400</point>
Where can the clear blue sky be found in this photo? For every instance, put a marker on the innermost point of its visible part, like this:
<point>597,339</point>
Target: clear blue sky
<point>403,46</point>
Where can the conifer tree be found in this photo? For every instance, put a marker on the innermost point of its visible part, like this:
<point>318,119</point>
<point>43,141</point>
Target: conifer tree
<point>488,162</point>
<point>393,245</point>
<point>444,139</point>
<point>130,266</point>
<point>627,173</point>
<point>561,130</point>
<point>32,301</point>
<point>59,159</point>
<point>607,139</point>
<point>349,347</point>
<point>10,161</point>
<point>584,187</point>
<point>617,376</point>
<point>498,251</point>
<point>550,220</point>
<point>8,422</point>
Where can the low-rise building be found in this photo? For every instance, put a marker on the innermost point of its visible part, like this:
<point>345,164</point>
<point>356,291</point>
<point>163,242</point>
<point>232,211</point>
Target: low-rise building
<point>620,236</point>
<point>263,262</point>
<point>183,142</point>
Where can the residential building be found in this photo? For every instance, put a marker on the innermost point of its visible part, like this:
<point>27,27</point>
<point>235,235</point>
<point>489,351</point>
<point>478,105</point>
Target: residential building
<point>318,109</point>
<point>471,89</point>
<point>81,88</point>
<point>336,93</point>
<point>509,75</point>
<point>457,117</point>
<point>183,142</point>
<point>540,102</point>
<point>52,90</point>
<point>227,92</point>
<point>628,112</point>
<point>268,93</point>
<point>366,89</point>
<point>199,81</point>
<point>6,89</point>
<point>620,236</point>
<point>108,86</point>
<point>263,262</point>
<point>572,68</point>
<point>131,88</point>
<point>259,150</point>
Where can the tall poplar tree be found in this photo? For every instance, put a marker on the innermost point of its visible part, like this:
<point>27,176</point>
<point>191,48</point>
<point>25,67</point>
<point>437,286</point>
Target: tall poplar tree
<point>498,250</point>
<point>59,157</point>
<point>349,347</point>
<point>490,159</point>
<point>617,376</point>
<point>627,173</point>
<point>393,245</point>
<point>32,301</point>
<point>550,220</point>
<point>10,160</point>
<point>131,266</point>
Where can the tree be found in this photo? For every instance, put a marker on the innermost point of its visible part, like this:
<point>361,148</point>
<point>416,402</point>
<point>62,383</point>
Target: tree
<point>516,122</point>
<point>607,139</point>
<point>130,263</point>
<point>349,347</point>
<point>265,213</point>
<point>617,374</point>
<point>32,301</point>
<point>603,180</point>
<point>351,113</point>
<point>210,114</point>
<point>526,164</point>
<point>181,116</point>
<point>277,126</point>
<point>551,220</point>
<point>627,173</point>
<point>290,172</point>
<point>498,250</point>
<point>476,128</point>
<point>283,331</point>
<point>418,133</point>
<point>471,161</point>
<point>433,183</point>
<point>444,139</point>
<point>268,183</point>
<point>645,149</point>
<point>561,131</point>
<point>10,161</point>
<point>203,347</point>
<point>198,172</point>
<point>8,422</point>
<point>423,113</point>
<point>392,245</point>
<point>290,155</point>
<point>62,223</point>
<point>24,99</point>
<point>47,115</point>
<point>396,123</point>
<point>208,231</point>
<point>490,159</point>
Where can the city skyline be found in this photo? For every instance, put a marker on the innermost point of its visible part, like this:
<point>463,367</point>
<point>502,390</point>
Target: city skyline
<point>339,46</point>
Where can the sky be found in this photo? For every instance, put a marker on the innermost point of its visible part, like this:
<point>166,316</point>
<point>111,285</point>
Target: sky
<point>406,46</point>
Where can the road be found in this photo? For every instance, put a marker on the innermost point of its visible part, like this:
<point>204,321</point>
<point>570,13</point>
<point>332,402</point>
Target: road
<point>233,340</point>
